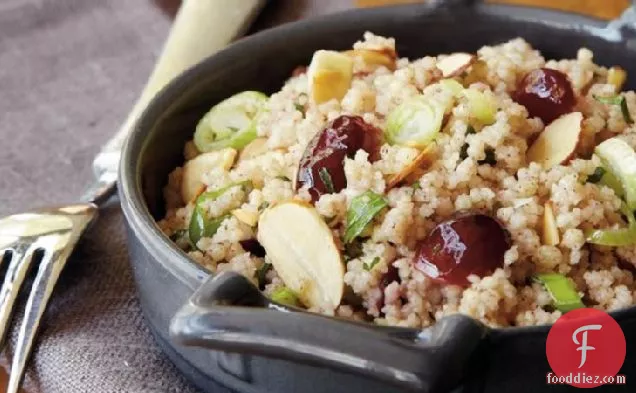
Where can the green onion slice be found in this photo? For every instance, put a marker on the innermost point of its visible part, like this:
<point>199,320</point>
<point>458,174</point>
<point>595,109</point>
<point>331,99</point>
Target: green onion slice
<point>619,159</point>
<point>361,212</point>
<point>619,164</point>
<point>414,123</point>
<point>612,182</point>
<point>615,237</point>
<point>562,290</point>
<point>481,106</point>
<point>231,123</point>
<point>200,224</point>
<point>452,85</point>
<point>612,237</point>
<point>286,296</point>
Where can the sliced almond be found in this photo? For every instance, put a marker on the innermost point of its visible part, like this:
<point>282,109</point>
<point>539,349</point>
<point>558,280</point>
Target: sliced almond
<point>302,249</point>
<point>373,58</point>
<point>426,156</point>
<point>478,73</point>
<point>616,76</point>
<point>550,229</point>
<point>246,217</point>
<point>558,141</point>
<point>195,169</point>
<point>455,64</point>
<point>329,74</point>
<point>253,149</point>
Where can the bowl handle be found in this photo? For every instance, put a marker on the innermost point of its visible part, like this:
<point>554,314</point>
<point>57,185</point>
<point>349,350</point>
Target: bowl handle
<point>229,313</point>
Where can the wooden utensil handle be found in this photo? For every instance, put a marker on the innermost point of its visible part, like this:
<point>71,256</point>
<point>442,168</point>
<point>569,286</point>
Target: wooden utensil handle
<point>201,28</point>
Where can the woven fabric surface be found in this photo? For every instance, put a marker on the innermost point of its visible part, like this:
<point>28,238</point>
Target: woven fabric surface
<point>70,71</point>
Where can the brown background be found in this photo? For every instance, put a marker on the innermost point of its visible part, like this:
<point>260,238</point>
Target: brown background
<point>69,72</point>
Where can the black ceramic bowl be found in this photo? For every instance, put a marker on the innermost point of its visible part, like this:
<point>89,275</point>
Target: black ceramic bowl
<point>310,353</point>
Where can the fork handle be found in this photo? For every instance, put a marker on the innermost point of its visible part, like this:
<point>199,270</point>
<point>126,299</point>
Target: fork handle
<point>201,28</point>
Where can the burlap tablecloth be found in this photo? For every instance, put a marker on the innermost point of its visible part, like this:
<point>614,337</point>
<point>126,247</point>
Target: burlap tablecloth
<point>70,71</point>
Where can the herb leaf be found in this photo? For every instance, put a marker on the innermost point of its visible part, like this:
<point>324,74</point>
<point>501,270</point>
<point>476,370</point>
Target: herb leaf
<point>618,100</point>
<point>596,176</point>
<point>625,110</point>
<point>200,224</point>
<point>263,206</point>
<point>353,250</point>
<point>182,239</point>
<point>326,180</point>
<point>300,107</point>
<point>361,212</point>
<point>261,274</point>
<point>369,266</point>
<point>178,234</point>
<point>463,152</point>
<point>490,157</point>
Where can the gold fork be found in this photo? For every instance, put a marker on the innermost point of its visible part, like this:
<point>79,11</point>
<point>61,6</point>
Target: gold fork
<point>47,237</point>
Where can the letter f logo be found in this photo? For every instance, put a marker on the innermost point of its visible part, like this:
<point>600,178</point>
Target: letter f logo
<point>583,344</point>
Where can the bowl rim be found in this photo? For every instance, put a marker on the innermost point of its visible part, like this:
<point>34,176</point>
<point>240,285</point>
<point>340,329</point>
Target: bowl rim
<point>131,197</point>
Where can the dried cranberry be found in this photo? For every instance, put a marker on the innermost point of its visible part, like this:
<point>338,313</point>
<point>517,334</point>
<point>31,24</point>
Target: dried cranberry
<point>546,94</point>
<point>465,245</point>
<point>322,164</point>
<point>253,247</point>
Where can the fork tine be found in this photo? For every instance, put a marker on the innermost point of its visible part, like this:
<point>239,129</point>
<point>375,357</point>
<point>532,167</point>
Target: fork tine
<point>21,260</point>
<point>52,262</point>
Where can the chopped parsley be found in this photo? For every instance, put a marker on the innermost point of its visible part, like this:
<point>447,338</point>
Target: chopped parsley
<point>326,180</point>
<point>490,157</point>
<point>261,274</point>
<point>353,250</point>
<point>369,266</point>
<point>597,175</point>
<point>300,107</point>
<point>463,152</point>
<point>618,100</point>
